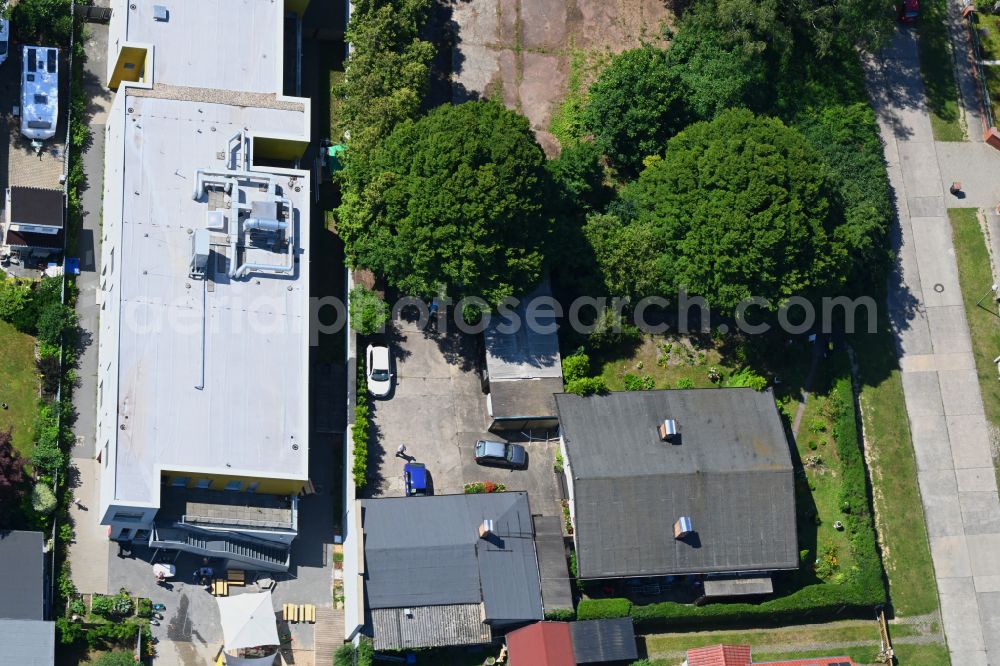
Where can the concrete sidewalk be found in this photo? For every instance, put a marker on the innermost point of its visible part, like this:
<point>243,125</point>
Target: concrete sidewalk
<point>947,421</point>
<point>88,556</point>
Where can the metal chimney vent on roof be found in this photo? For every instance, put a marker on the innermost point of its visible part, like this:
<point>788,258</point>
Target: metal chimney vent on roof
<point>160,13</point>
<point>683,527</point>
<point>668,431</point>
<point>408,612</point>
<point>486,529</point>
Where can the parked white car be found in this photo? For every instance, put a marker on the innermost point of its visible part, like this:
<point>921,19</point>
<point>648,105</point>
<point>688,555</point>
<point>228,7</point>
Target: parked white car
<point>4,39</point>
<point>379,371</point>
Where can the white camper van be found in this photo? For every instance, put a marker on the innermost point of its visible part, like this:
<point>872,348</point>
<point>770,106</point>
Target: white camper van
<point>4,39</point>
<point>39,93</point>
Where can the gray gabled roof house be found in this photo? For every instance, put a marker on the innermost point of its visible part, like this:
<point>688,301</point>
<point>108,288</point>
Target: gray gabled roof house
<point>448,569</point>
<point>678,482</point>
<point>26,638</point>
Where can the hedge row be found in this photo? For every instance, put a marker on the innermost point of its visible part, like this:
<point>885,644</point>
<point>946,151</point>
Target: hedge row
<point>863,589</point>
<point>361,428</point>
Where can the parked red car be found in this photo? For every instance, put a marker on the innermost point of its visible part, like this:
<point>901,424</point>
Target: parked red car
<point>909,11</point>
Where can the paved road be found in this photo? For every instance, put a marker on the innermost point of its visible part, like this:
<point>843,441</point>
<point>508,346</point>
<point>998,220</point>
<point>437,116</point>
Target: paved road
<point>89,554</point>
<point>949,428</point>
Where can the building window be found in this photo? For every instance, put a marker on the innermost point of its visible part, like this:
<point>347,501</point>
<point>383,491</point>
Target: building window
<point>203,483</point>
<point>180,481</point>
<point>234,485</point>
<point>128,517</point>
<point>252,488</point>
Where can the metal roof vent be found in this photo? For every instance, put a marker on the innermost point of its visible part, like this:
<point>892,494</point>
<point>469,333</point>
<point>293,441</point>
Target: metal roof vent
<point>668,431</point>
<point>160,13</point>
<point>486,529</point>
<point>408,612</point>
<point>683,527</point>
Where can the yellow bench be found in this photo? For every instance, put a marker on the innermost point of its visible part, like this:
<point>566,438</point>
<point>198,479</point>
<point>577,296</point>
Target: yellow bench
<point>290,613</point>
<point>220,587</point>
<point>236,577</point>
<point>308,613</point>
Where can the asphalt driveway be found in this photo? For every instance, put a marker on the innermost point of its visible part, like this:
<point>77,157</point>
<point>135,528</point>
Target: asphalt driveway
<point>438,410</point>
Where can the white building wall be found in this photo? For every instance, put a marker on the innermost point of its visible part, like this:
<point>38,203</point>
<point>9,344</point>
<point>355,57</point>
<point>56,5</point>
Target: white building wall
<point>107,354</point>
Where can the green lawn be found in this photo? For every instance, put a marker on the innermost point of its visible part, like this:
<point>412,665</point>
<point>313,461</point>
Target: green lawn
<point>899,510</point>
<point>850,631</point>
<point>18,385</point>
<point>932,654</point>
<point>937,70</point>
<point>975,276</point>
<point>989,34</point>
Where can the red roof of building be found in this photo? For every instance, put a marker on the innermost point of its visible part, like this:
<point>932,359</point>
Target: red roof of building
<point>541,644</point>
<point>720,655</point>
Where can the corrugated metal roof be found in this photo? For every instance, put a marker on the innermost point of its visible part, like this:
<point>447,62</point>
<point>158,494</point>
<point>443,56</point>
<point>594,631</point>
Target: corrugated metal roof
<point>27,642</point>
<point>556,591</point>
<point>524,398</point>
<point>22,576</point>
<point>731,474</point>
<point>541,644</point>
<point>422,551</point>
<point>596,641</point>
<point>429,626</point>
<point>523,347</point>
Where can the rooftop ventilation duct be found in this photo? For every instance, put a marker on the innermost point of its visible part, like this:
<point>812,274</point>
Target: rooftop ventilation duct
<point>200,249</point>
<point>668,431</point>
<point>683,527</point>
<point>486,529</point>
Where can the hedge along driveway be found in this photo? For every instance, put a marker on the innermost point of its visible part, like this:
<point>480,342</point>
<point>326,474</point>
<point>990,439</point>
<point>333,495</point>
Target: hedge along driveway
<point>858,595</point>
<point>18,385</point>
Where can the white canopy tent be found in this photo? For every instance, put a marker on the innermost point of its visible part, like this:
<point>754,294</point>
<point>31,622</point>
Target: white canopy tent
<point>248,621</point>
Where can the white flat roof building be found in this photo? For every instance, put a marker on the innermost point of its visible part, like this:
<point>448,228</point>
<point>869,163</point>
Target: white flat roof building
<point>39,92</point>
<point>204,345</point>
<point>221,44</point>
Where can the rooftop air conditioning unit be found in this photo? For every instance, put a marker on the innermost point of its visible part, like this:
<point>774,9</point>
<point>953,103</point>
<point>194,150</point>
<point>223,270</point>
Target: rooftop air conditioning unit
<point>683,527</point>
<point>160,13</point>
<point>668,431</point>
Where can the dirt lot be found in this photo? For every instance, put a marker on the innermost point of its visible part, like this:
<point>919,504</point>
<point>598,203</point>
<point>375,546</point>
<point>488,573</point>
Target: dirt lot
<point>520,50</point>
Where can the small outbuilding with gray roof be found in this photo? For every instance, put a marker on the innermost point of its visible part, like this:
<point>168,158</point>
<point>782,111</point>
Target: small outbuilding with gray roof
<point>523,366</point>
<point>448,569</point>
<point>26,638</point>
<point>678,482</point>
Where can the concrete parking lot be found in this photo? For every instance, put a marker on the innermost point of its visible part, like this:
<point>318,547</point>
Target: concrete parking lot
<point>438,410</point>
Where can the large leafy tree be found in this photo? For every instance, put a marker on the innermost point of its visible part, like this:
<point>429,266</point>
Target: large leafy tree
<point>715,75</point>
<point>810,26</point>
<point>741,206</point>
<point>388,71</point>
<point>457,199</point>
<point>635,105</point>
<point>13,483</point>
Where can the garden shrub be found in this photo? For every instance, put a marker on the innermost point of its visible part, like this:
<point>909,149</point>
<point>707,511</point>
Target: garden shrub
<point>344,656</point>
<point>602,609</point>
<point>587,386</point>
<point>575,366</point>
<point>43,500</point>
<point>560,615</point>
<point>119,658</point>
<point>484,487</point>
<point>368,311</point>
<point>685,383</point>
<point>639,382</point>
<point>102,605</point>
<point>746,378</point>
<point>361,428</point>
